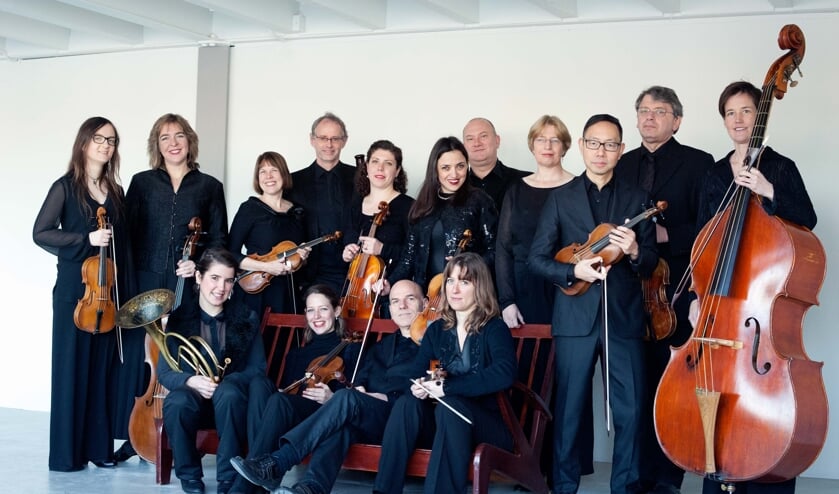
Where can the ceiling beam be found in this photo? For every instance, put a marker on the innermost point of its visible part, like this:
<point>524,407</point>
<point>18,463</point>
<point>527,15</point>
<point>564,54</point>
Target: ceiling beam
<point>564,9</point>
<point>667,6</point>
<point>464,11</point>
<point>74,18</point>
<point>179,17</point>
<point>782,4</point>
<point>276,15</point>
<point>371,14</point>
<point>34,32</point>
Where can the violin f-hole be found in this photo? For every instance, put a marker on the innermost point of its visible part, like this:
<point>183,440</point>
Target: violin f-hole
<point>756,346</point>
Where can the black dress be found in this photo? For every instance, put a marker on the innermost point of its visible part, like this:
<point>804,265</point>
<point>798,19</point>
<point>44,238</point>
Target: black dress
<point>158,220</point>
<point>516,225</point>
<point>259,228</point>
<point>81,409</point>
<point>391,233</point>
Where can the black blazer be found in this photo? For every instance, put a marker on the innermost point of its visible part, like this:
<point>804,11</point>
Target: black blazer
<point>567,218</point>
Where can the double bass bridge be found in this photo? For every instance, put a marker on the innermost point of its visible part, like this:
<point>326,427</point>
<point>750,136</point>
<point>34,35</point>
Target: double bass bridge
<point>719,342</point>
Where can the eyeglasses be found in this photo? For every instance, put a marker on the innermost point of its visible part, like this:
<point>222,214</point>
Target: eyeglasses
<point>553,141</point>
<point>100,139</point>
<point>656,112</point>
<point>330,140</point>
<point>593,144</point>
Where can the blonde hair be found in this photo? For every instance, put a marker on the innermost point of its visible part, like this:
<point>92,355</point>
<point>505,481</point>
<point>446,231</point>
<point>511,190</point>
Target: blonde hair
<point>473,269</point>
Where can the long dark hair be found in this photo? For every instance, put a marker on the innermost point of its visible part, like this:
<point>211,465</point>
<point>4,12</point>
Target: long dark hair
<point>427,198</point>
<point>77,171</point>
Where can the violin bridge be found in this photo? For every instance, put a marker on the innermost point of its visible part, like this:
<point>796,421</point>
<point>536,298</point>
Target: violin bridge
<point>718,342</point>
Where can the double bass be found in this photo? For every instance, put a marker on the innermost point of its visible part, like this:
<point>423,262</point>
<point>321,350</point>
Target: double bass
<point>740,400</point>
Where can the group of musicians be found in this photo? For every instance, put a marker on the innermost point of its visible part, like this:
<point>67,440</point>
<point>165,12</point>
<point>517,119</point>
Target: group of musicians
<point>509,225</point>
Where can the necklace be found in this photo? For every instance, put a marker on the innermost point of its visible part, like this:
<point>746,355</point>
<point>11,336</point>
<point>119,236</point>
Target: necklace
<point>442,196</point>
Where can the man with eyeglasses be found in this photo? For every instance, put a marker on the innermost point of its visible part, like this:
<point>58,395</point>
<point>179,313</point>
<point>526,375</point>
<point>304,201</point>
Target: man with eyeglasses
<point>351,415</point>
<point>486,171</point>
<point>672,172</point>
<point>606,321</point>
<point>325,189</point>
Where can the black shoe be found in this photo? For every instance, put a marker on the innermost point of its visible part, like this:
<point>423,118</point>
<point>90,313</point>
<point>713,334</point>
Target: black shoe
<point>192,486</point>
<point>124,452</point>
<point>224,486</point>
<point>262,471</point>
<point>105,464</point>
<point>662,488</point>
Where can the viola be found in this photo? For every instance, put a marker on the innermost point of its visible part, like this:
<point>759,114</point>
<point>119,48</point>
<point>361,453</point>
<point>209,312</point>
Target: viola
<point>286,251</point>
<point>96,311</point>
<point>324,368</point>
<point>598,244</point>
<point>365,270</point>
<point>661,318</point>
<point>740,400</point>
<point>431,311</point>
<point>189,249</point>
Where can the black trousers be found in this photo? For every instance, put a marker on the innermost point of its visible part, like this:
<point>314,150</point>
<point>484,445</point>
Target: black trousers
<point>452,448</point>
<point>185,412</point>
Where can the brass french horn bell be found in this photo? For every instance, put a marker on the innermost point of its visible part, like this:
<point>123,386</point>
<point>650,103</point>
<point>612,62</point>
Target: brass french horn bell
<point>146,310</point>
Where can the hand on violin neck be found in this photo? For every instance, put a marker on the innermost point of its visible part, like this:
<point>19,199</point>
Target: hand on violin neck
<point>100,238</point>
<point>370,245</point>
<point>624,238</point>
<point>186,269</point>
<point>591,269</point>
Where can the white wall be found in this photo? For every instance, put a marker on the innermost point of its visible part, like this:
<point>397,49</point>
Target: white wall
<point>411,89</point>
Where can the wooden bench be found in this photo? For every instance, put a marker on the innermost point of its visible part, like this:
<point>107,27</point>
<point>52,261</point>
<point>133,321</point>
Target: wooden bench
<point>524,411</point>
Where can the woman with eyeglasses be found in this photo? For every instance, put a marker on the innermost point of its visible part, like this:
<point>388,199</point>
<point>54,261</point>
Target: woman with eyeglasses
<point>261,223</point>
<point>67,226</point>
<point>161,203</point>
<point>777,181</point>
<point>445,208</point>
<point>272,413</point>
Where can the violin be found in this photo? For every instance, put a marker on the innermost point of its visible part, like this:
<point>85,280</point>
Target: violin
<point>95,311</point>
<point>661,318</point>
<point>740,400</point>
<point>365,270</point>
<point>431,311</point>
<point>598,244</point>
<point>323,369</point>
<point>286,251</point>
<point>189,248</point>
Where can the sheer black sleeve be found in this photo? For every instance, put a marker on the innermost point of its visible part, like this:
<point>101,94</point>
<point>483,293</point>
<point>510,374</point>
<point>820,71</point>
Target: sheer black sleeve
<point>48,232</point>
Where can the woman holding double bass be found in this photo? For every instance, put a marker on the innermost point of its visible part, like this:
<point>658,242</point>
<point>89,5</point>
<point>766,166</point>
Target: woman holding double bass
<point>262,222</point>
<point>781,190</point>
<point>67,226</point>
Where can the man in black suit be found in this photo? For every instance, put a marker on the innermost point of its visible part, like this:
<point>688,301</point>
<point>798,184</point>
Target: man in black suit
<point>325,189</point>
<point>670,172</point>
<point>583,330</point>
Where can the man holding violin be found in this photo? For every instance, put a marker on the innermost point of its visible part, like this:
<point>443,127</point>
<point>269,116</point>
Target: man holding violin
<point>607,319</point>
<point>356,414</point>
<point>672,172</point>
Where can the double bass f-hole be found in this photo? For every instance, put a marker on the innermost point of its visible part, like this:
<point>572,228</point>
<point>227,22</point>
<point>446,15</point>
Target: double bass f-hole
<point>756,346</point>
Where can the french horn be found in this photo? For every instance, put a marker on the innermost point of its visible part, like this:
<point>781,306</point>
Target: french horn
<point>146,310</point>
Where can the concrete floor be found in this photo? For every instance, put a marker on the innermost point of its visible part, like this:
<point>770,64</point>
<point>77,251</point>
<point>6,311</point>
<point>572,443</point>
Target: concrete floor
<point>24,440</point>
